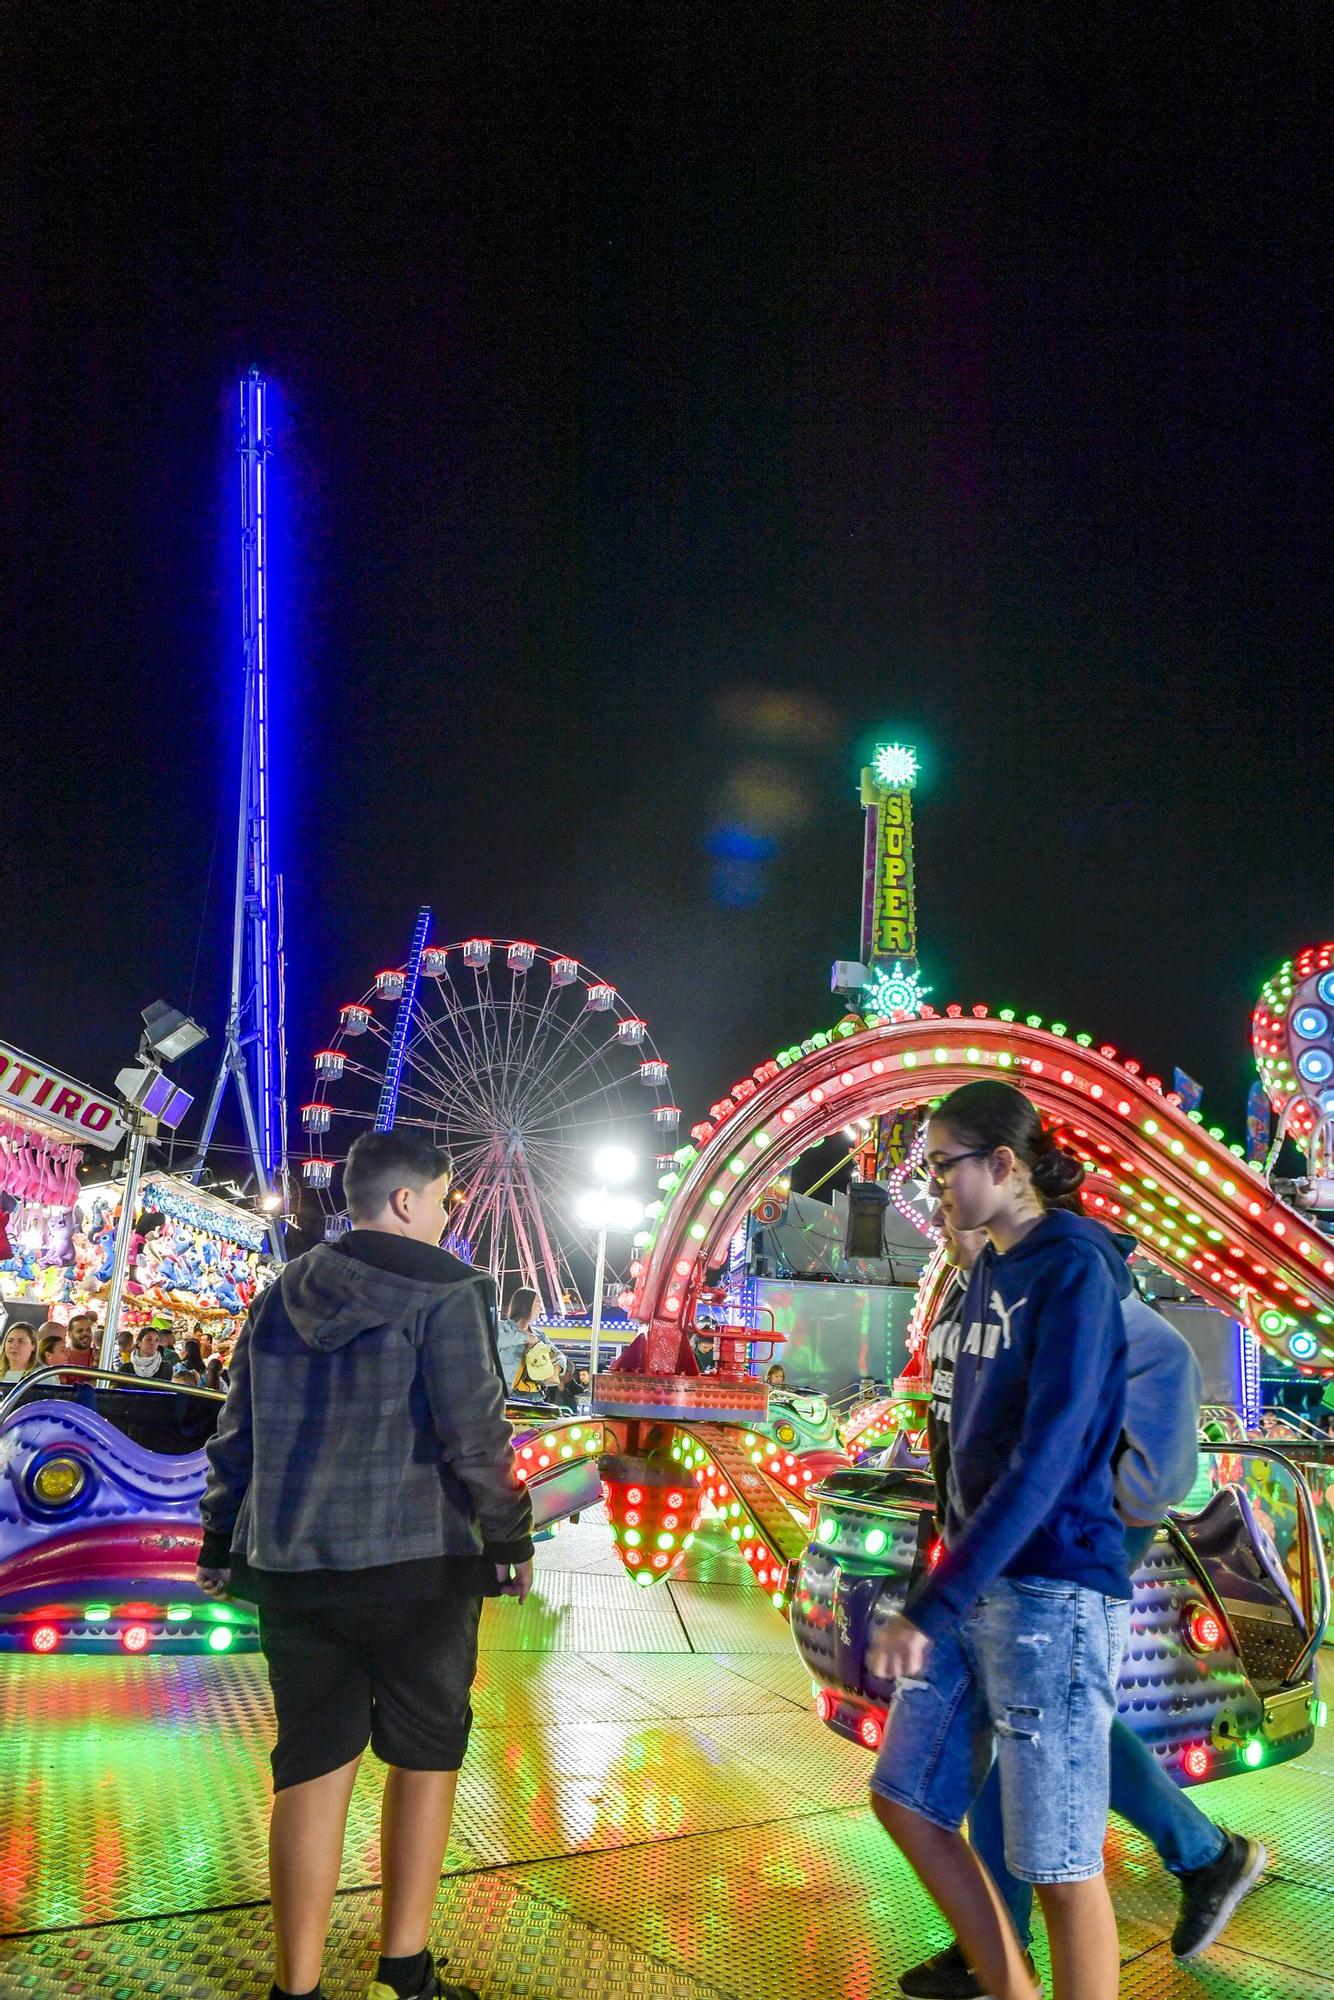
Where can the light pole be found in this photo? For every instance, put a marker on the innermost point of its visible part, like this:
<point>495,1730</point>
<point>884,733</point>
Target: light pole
<point>150,1102</point>
<point>602,1210</point>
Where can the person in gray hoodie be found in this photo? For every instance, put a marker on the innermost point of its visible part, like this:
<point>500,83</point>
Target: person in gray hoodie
<point>1154,1469</point>
<point>362,1491</point>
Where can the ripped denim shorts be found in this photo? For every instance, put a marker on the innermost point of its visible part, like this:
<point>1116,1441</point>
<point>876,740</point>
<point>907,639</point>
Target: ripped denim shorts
<point>1030,1676</point>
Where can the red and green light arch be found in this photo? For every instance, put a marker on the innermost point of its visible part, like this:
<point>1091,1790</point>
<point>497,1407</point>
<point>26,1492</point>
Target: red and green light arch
<point>1195,1207</point>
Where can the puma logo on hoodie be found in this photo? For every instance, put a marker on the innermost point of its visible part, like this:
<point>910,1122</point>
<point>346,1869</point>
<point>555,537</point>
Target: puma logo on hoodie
<point>1036,1410</point>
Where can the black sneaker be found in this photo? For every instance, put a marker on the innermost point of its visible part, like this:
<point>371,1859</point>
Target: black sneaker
<point>433,1987</point>
<point>1209,1896</point>
<point>946,1977</point>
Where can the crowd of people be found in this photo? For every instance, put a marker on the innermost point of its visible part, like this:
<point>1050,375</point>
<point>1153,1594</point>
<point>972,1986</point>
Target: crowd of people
<point>161,1351</point>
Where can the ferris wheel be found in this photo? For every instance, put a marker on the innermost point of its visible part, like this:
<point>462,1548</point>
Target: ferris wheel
<point>520,1062</point>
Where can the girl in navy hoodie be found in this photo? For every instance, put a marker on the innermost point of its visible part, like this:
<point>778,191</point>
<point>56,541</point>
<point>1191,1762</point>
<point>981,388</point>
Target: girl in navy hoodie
<point>1013,1642</point>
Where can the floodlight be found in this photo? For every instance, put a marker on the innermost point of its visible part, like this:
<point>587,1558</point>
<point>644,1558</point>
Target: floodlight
<point>144,1088</point>
<point>614,1163</point>
<point>602,1211</point>
<point>169,1033</point>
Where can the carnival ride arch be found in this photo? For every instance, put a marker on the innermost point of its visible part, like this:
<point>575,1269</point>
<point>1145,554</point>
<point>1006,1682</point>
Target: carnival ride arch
<point>1203,1214</point>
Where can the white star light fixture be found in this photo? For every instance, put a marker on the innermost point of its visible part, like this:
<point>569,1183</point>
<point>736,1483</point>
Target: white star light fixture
<point>896,765</point>
<point>898,992</point>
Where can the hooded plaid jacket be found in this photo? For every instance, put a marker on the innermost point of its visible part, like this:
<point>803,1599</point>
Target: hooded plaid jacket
<point>365,1422</point>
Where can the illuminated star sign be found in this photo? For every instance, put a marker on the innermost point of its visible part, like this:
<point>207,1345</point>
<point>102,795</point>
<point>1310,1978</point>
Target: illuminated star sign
<point>896,765</point>
<point>896,992</point>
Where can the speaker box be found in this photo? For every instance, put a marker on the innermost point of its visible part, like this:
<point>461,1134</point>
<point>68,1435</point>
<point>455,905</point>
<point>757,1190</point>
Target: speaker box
<point>865,1232</point>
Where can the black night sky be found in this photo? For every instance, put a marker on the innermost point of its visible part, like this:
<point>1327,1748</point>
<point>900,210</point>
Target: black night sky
<point>674,397</point>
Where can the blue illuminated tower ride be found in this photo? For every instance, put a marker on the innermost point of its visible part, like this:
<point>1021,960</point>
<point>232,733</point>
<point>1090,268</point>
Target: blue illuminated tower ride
<point>253,1052</point>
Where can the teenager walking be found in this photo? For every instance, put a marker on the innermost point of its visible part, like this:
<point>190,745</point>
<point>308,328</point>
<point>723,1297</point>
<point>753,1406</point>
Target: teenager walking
<point>362,1491</point>
<point>1154,1469</point>
<point>1016,1636</point>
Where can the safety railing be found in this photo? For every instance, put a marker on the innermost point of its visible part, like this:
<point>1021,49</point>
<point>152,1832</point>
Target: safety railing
<point>60,1372</point>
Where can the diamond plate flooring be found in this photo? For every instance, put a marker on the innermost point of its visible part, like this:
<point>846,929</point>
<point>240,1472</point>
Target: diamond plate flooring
<point>649,1809</point>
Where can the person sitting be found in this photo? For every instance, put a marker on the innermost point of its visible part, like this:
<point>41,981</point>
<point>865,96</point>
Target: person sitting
<point>19,1351</point>
<point>575,1389</point>
<point>190,1367</point>
<point>80,1340</point>
<point>77,1348</point>
<point>51,1348</point>
<point>149,1361</point>
<point>169,1342</point>
<point>775,1376</point>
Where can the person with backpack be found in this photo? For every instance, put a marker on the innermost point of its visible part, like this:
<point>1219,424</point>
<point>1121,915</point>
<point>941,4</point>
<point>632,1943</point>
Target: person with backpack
<point>362,1491</point>
<point>541,1368</point>
<point>512,1337</point>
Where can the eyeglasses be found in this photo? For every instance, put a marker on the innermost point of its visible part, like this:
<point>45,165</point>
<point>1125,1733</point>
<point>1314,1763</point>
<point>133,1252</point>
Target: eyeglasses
<point>936,1176</point>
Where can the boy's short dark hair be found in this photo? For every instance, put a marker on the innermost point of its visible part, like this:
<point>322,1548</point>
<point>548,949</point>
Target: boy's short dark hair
<point>379,1162</point>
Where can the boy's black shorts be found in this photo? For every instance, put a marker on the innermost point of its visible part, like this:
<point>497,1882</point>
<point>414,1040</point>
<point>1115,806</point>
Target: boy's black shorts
<point>395,1676</point>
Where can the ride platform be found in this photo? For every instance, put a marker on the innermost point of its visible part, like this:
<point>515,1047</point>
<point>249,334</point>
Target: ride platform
<point>650,1810</point>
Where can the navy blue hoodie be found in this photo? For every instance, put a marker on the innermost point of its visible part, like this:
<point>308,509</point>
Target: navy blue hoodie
<point>1035,1419</point>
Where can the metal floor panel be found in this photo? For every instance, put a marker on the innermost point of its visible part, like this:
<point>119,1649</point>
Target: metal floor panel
<point>591,1786</point>
<point>696,1684</point>
<point>526,1693</point>
<point>720,1618</point>
<point>137,1787</point>
<point>560,1618</point>
<point>800,1752</point>
<point>500,1939</point>
<point>782,1673</point>
<point>1222,1975</point>
<point>649,1811</point>
<point>822,1907</point>
<point>1289,1809</point>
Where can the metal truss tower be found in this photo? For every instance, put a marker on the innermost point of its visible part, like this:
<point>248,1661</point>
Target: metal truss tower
<point>254,1049</point>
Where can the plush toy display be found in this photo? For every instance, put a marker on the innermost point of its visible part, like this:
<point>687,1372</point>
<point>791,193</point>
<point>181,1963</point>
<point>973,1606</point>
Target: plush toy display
<point>187,1254</point>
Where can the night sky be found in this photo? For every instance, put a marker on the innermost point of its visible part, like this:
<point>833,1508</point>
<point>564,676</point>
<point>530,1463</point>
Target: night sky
<point>674,398</point>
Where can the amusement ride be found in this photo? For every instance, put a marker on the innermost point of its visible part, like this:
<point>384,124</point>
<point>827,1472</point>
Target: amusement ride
<point>520,1061</point>
<point>517,1059</point>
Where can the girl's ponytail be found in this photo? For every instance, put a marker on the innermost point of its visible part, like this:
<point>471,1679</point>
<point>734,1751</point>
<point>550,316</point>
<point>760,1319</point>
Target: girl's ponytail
<point>1057,1174</point>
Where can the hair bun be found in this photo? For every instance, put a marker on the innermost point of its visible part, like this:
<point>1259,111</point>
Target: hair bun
<point>1057,1172</point>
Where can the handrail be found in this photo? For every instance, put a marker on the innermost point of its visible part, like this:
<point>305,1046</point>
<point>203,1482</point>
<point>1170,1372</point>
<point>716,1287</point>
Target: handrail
<point>15,1392</point>
<point>1314,1570</point>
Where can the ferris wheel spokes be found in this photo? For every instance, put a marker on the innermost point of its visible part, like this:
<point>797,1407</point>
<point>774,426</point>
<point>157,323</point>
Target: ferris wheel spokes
<point>519,1061</point>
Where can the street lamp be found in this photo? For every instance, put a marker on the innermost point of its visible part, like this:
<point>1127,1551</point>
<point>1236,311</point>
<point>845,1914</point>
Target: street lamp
<point>604,1211</point>
<point>613,1164</point>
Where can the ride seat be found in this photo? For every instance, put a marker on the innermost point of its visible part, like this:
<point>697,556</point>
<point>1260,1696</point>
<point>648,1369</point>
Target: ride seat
<point>1241,1562</point>
<point>158,1421</point>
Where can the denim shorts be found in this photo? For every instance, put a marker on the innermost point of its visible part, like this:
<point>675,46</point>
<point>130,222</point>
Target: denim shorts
<point>1031,1675</point>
